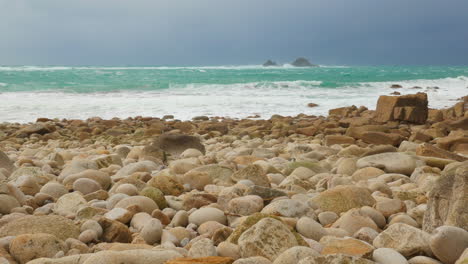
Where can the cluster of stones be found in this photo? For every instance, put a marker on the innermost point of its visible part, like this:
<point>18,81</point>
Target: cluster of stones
<point>388,186</point>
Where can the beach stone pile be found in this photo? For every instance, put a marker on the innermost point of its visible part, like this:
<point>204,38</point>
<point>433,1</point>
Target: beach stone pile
<point>358,186</point>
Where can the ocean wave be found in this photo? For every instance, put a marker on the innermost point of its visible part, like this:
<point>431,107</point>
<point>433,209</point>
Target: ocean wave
<point>3,84</point>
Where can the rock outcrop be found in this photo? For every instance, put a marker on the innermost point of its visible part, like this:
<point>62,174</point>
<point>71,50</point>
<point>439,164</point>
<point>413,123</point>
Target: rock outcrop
<point>411,108</point>
<point>269,63</point>
<point>302,62</point>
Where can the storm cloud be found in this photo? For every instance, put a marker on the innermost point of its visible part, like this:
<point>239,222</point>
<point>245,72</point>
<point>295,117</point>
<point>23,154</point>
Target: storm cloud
<point>221,32</point>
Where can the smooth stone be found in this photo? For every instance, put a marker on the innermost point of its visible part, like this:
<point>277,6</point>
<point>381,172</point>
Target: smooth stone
<point>227,249</point>
<point>405,239</point>
<point>135,256</point>
<point>181,218</point>
<point>353,220</point>
<point>366,173</point>
<point>294,255</point>
<point>423,260</point>
<point>375,215</point>
<point>119,214</point>
<point>253,260</point>
<point>139,220</point>
<point>309,228</point>
<point>202,248</point>
<point>152,231</point>
<point>127,188</point>
<point>390,162</point>
<point>88,236</point>
<point>7,203</point>
<point>327,218</point>
<point>206,214</point>
<point>27,247</point>
<point>388,256</point>
<point>69,204</point>
<point>366,234</point>
<point>448,243</point>
<point>144,203</point>
<point>54,189</point>
<point>86,186</point>
<point>92,225</point>
<point>245,205</point>
<point>389,207</point>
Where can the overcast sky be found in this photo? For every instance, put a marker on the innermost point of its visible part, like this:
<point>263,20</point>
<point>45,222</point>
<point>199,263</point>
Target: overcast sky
<point>233,32</point>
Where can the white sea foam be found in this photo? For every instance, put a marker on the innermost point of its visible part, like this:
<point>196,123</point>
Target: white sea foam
<point>233,100</point>
<point>3,84</point>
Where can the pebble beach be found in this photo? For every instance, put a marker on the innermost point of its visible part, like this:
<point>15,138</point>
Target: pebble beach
<point>387,186</point>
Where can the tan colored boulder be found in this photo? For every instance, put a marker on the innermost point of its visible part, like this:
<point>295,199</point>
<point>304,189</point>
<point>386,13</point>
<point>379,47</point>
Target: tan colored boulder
<point>6,163</point>
<point>268,238</point>
<point>203,260</point>
<point>167,184</point>
<point>62,227</point>
<point>412,108</point>
<point>253,173</point>
<point>343,198</point>
<point>405,239</point>
<point>337,139</point>
<point>348,246</point>
<point>27,247</point>
<point>390,162</point>
<point>114,231</point>
<point>431,151</point>
<point>381,138</point>
<point>448,199</point>
<point>335,259</point>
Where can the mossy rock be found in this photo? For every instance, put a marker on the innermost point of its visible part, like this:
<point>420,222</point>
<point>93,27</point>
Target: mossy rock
<point>156,195</point>
<point>255,218</point>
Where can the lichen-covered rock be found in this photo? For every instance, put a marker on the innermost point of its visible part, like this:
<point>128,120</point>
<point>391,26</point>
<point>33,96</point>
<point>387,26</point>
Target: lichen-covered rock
<point>268,238</point>
<point>156,195</point>
<point>405,239</point>
<point>167,185</point>
<point>27,247</point>
<point>343,198</point>
<point>348,246</point>
<point>202,260</point>
<point>294,255</point>
<point>335,259</point>
<point>287,208</point>
<point>59,226</point>
<point>253,173</point>
<point>448,199</point>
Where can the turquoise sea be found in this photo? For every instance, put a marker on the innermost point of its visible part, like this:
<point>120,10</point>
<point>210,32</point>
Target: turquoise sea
<point>29,92</point>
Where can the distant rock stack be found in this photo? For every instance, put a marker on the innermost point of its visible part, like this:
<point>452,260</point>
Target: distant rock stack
<point>302,62</point>
<point>269,63</point>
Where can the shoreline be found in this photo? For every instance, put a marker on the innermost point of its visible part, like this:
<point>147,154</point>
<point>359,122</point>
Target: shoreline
<point>252,116</point>
<point>357,186</point>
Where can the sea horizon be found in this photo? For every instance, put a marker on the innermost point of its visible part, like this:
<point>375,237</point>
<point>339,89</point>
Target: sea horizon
<point>236,91</point>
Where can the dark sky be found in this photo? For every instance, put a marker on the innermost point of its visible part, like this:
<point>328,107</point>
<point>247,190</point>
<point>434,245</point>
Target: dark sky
<point>233,32</point>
